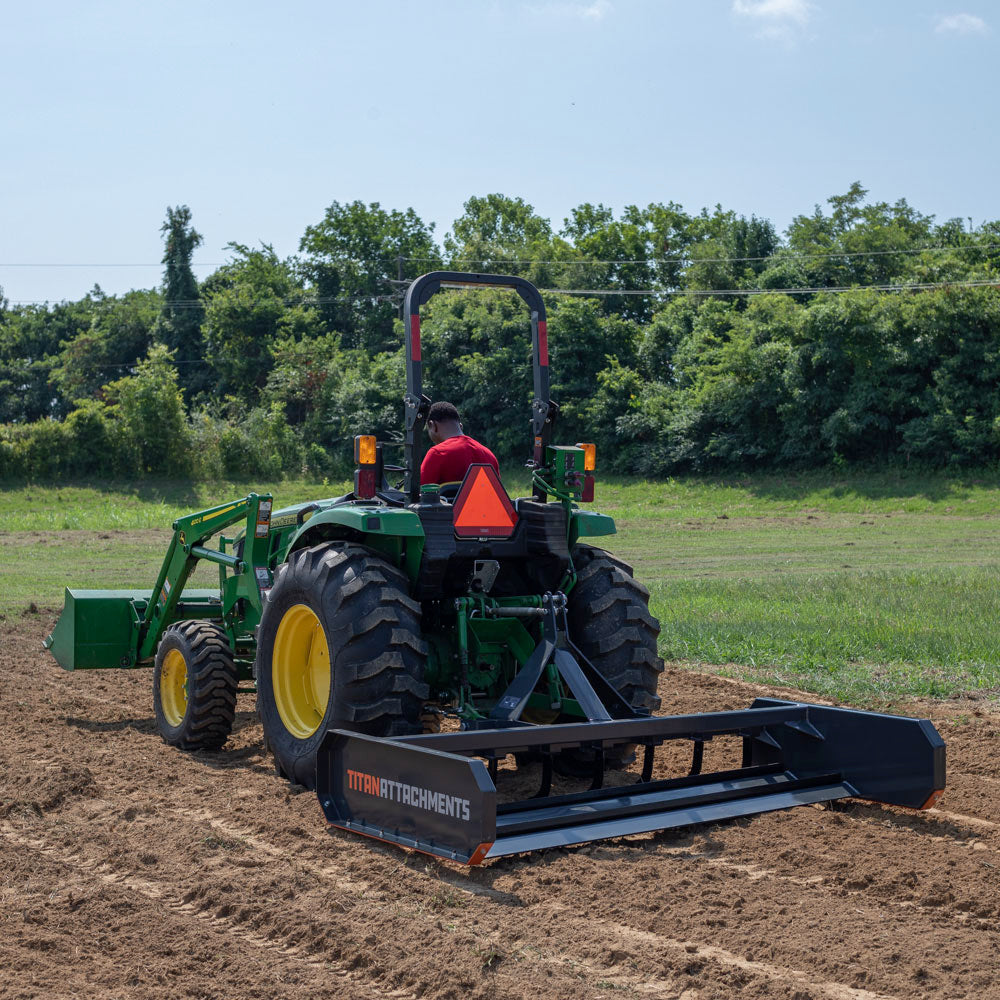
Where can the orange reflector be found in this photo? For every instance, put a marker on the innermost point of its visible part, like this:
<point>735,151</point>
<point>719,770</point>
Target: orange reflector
<point>589,456</point>
<point>364,449</point>
<point>482,507</point>
<point>479,854</point>
<point>932,801</point>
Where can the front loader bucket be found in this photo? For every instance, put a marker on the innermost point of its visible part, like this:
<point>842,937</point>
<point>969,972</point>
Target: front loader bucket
<point>434,793</point>
<point>99,629</point>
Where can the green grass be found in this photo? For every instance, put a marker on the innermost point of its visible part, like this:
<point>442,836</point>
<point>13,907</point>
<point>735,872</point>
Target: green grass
<point>866,637</point>
<point>866,588</point>
<point>154,504</point>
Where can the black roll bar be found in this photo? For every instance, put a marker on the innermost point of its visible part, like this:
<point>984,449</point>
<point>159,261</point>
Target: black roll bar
<point>543,410</point>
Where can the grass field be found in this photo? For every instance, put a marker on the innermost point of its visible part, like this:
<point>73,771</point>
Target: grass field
<point>864,588</point>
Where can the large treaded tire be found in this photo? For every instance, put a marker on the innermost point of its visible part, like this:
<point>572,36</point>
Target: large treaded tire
<point>610,623</point>
<point>210,688</point>
<point>376,650</point>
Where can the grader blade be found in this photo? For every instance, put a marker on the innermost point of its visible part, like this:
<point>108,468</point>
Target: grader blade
<point>437,793</point>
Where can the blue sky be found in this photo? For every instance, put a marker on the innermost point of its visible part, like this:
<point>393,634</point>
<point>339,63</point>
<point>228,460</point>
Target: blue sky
<point>259,115</point>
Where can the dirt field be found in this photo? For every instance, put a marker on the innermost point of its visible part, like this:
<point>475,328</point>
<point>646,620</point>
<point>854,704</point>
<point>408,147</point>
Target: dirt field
<point>133,870</point>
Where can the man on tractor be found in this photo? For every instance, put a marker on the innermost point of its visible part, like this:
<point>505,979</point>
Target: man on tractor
<point>453,450</point>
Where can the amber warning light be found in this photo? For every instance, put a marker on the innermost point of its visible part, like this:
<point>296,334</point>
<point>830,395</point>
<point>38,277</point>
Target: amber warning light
<point>364,449</point>
<point>482,507</point>
<point>364,475</point>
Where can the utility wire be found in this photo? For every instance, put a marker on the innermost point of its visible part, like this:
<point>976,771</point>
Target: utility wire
<point>966,248</point>
<point>721,260</point>
<point>208,263</point>
<point>320,300</point>
<point>916,286</point>
<point>611,292</point>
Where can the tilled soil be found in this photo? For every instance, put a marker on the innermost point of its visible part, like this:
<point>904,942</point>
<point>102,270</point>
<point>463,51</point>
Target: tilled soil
<point>130,869</point>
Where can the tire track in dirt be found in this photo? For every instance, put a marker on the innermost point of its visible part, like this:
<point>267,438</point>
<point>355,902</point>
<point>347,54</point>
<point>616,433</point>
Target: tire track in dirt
<point>817,884</point>
<point>161,894</point>
<point>208,910</point>
<point>464,883</point>
<point>755,873</point>
<point>784,976</point>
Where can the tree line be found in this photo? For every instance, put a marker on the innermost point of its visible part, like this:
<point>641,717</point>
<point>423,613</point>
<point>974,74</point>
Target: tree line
<point>866,332</point>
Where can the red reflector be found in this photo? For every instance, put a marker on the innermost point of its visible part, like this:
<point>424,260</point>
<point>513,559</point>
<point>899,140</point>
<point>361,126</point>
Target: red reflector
<point>543,343</point>
<point>364,483</point>
<point>482,507</point>
<point>588,489</point>
<point>414,337</point>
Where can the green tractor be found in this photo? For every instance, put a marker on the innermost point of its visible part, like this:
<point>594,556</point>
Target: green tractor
<point>365,621</point>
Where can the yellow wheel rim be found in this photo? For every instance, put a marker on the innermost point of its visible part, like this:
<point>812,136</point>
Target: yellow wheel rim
<point>300,671</point>
<point>173,687</point>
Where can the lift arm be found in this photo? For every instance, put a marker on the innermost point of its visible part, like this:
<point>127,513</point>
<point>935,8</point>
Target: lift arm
<point>187,547</point>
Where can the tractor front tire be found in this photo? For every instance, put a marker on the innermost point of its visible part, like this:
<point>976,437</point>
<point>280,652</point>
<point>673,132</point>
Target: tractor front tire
<point>610,623</point>
<point>194,686</point>
<point>339,647</point>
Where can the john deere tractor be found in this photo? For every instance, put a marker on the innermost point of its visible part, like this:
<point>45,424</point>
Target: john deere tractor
<point>364,622</point>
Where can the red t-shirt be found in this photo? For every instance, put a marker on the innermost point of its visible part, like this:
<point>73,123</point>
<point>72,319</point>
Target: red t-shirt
<point>449,461</point>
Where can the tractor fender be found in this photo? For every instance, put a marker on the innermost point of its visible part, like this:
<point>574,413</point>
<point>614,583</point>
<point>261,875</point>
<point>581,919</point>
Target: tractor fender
<point>588,524</point>
<point>386,521</point>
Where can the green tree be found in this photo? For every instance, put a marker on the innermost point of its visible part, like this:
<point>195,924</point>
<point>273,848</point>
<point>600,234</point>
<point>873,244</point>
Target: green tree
<point>496,234</point>
<point>120,332</point>
<point>30,339</point>
<point>621,252</point>
<point>353,257</point>
<point>180,322</point>
<point>581,340</point>
<point>297,381</point>
<point>856,244</point>
<point>730,252</point>
<point>250,303</point>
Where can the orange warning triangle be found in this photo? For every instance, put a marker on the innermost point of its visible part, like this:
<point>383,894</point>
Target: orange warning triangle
<point>482,507</point>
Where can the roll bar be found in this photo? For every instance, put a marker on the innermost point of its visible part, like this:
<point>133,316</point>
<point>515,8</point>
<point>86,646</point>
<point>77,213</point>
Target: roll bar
<point>543,410</point>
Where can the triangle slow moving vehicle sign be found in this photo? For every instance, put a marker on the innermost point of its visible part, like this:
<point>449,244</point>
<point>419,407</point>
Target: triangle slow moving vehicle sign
<point>482,507</point>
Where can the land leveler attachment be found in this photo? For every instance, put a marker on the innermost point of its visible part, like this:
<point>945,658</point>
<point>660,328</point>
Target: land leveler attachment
<point>437,793</point>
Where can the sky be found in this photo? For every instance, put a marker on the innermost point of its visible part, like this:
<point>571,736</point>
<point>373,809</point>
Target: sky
<point>260,115</point>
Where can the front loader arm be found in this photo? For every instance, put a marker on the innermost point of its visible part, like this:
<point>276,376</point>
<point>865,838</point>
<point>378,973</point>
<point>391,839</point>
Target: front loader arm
<point>187,547</point>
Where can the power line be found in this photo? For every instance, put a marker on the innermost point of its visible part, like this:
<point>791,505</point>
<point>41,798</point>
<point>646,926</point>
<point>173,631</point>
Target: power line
<point>915,286</point>
<point>591,292</point>
<point>320,300</point>
<point>202,264</point>
<point>779,256</point>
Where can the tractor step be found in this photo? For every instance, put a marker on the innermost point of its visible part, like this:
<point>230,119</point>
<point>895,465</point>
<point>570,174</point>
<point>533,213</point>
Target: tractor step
<point>435,793</point>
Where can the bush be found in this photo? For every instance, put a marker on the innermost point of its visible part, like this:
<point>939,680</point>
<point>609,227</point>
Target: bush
<point>52,449</point>
<point>150,431</point>
<point>255,443</point>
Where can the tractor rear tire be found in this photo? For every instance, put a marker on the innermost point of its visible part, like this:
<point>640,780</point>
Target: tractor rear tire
<point>610,623</point>
<point>194,686</point>
<point>339,647</point>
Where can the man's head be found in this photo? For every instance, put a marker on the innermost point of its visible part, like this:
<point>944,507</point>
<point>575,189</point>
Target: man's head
<point>442,422</point>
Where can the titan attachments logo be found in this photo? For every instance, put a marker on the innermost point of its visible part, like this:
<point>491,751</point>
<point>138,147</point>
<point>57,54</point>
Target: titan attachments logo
<point>408,795</point>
